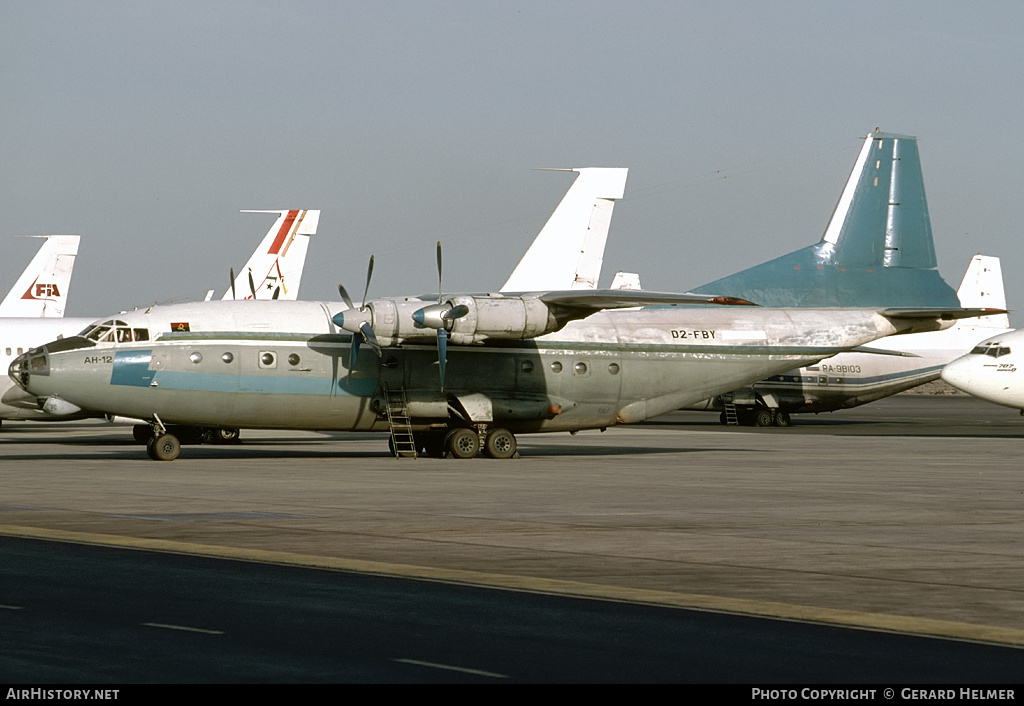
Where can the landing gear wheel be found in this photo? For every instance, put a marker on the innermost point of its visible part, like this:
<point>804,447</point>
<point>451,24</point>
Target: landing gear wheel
<point>723,420</point>
<point>463,443</point>
<point>764,418</point>
<point>225,436</point>
<point>501,443</point>
<point>782,419</point>
<point>163,448</point>
<point>432,444</point>
<point>142,433</point>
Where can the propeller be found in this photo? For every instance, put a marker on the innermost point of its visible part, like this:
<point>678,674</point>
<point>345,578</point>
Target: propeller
<point>252,285</point>
<point>358,326</point>
<point>233,283</point>
<point>442,333</point>
<point>439,316</point>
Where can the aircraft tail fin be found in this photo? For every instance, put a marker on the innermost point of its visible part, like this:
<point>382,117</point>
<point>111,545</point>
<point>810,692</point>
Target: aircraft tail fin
<point>42,289</point>
<point>877,249</point>
<point>982,288</point>
<point>626,280</point>
<point>569,250</point>
<point>276,265</point>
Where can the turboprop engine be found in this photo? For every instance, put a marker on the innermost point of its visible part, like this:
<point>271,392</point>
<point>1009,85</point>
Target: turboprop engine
<point>467,319</point>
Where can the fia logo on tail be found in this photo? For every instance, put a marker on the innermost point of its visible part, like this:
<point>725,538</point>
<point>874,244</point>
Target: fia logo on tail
<point>42,290</point>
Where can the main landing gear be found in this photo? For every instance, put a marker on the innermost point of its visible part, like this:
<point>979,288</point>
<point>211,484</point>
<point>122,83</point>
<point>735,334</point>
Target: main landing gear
<point>759,417</point>
<point>463,442</point>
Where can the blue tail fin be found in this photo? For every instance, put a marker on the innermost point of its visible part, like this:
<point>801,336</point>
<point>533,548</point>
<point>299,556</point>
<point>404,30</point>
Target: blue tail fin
<point>877,249</point>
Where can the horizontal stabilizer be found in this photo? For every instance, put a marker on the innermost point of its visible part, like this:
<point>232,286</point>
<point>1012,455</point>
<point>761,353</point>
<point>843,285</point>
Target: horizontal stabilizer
<point>934,319</point>
<point>883,351</point>
<point>944,314</point>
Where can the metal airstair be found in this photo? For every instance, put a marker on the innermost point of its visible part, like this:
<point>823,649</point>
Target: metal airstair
<point>403,444</point>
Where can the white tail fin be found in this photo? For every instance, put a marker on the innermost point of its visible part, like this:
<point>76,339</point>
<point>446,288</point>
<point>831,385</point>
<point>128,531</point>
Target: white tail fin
<point>42,289</point>
<point>276,265</point>
<point>626,280</point>
<point>569,250</point>
<point>982,287</point>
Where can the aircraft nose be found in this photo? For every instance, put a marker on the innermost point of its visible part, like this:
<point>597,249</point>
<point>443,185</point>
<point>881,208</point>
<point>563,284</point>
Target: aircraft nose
<point>22,368</point>
<point>958,374</point>
<point>18,370</point>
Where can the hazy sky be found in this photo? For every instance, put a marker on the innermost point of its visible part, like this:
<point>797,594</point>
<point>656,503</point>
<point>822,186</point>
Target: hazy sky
<point>146,126</point>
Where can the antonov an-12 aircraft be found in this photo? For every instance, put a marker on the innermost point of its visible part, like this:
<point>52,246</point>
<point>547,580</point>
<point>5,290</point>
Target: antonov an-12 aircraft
<point>283,250</point>
<point>992,371</point>
<point>445,376</point>
<point>877,250</point>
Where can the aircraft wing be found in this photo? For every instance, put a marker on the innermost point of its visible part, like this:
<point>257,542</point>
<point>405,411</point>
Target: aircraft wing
<point>597,299</point>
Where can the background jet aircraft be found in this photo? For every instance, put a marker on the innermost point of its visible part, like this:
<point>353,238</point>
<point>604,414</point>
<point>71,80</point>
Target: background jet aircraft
<point>877,250</point>
<point>18,333</point>
<point>274,271</point>
<point>42,289</point>
<point>569,250</point>
<point>992,371</point>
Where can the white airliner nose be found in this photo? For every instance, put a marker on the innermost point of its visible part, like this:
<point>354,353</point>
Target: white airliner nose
<point>958,373</point>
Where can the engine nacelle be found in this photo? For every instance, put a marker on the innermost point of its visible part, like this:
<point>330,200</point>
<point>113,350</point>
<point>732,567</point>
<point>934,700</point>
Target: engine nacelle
<point>393,323</point>
<point>468,319</point>
<point>498,317</point>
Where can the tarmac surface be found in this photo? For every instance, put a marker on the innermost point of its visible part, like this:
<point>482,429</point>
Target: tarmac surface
<point>903,515</point>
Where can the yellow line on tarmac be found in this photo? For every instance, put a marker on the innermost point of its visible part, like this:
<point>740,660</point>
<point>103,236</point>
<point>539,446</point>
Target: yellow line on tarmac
<point>787,611</point>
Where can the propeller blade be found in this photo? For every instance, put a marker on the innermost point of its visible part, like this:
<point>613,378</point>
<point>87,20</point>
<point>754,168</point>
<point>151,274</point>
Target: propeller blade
<point>252,287</point>
<point>371,338</point>
<point>442,353</point>
<point>352,358</point>
<point>277,292</point>
<point>439,290</point>
<point>345,297</point>
<point>369,273</point>
<point>233,283</point>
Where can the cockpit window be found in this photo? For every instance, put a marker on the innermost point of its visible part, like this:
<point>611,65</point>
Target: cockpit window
<point>995,350</point>
<point>115,331</point>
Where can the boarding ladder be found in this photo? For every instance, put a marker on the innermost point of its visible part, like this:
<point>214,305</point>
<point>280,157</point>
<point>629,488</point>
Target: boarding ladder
<point>403,444</point>
<point>732,419</point>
